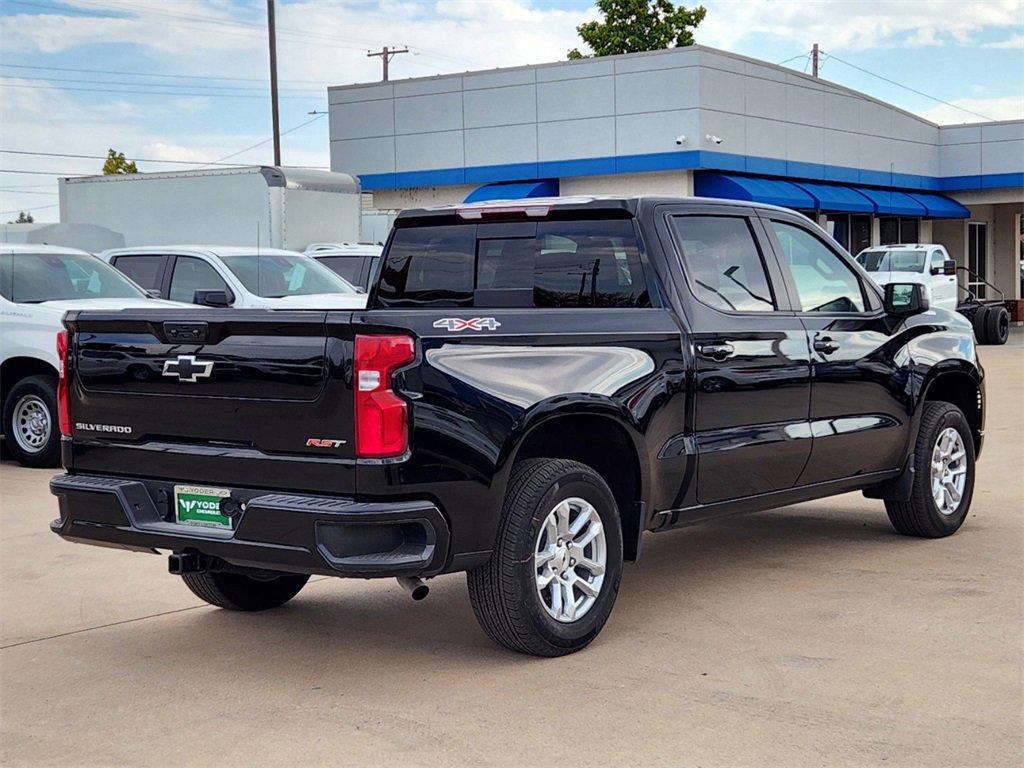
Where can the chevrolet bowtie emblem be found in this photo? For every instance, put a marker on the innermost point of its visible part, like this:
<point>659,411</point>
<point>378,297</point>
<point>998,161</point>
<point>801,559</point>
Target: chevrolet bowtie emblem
<point>187,369</point>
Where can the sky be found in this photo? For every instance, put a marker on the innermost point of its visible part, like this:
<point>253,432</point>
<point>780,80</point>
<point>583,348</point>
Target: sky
<point>186,80</point>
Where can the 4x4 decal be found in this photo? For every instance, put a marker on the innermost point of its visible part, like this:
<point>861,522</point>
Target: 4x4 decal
<point>473,324</point>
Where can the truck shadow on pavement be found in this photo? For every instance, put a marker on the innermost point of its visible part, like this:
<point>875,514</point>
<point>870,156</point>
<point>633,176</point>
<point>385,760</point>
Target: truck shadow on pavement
<point>369,625</point>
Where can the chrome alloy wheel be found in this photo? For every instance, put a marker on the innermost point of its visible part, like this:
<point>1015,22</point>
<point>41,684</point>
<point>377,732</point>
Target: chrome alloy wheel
<point>570,558</point>
<point>948,471</point>
<point>31,424</point>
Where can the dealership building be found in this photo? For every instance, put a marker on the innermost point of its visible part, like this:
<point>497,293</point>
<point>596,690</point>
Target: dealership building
<point>693,121</point>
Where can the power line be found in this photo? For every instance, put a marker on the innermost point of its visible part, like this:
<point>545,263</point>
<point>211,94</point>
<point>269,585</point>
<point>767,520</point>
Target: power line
<point>793,58</point>
<point>242,89</point>
<point>104,157</point>
<point>908,88</point>
<point>220,160</point>
<point>149,93</point>
<point>242,28</point>
<point>29,209</point>
<point>24,191</point>
<point>43,173</point>
<point>156,74</point>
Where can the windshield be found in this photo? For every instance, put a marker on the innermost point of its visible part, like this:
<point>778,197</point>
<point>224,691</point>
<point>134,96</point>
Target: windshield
<point>274,276</point>
<point>893,260</point>
<point>31,278</point>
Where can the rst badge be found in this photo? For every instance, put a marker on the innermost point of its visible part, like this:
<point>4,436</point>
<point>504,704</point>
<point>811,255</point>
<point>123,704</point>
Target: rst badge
<point>322,442</point>
<point>472,324</point>
<point>187,369</point>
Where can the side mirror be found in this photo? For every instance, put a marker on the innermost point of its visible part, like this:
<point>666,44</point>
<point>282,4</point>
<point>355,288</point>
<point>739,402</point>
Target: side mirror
<point>949,267</point>
<point>211,298</point>
<point>905,299</point>
<point>154,293</point>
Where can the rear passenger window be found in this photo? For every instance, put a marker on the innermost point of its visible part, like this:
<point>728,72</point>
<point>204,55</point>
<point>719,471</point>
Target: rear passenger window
<point>429,267</point>
<point>563,264</point>
<point>143,270</point>
<point>723,263</point>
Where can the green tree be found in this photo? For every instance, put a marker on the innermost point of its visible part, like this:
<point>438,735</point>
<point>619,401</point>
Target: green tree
<point>116,163</point>
<point>23,218</point>
<point>633,26</point>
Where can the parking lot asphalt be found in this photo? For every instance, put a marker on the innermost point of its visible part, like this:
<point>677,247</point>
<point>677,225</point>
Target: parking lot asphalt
<point>809,635</point>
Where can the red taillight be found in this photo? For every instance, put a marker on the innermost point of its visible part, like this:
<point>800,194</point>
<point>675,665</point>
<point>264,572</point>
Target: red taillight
<point>381,416</point>
<point>63,406</point>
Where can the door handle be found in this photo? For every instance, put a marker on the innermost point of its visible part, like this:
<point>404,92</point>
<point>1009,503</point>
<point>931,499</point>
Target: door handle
<point>718,352</point>
<point>826,346</point>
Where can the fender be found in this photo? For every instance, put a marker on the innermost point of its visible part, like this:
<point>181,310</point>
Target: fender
<point>901,486</point>
<point>604,409</point>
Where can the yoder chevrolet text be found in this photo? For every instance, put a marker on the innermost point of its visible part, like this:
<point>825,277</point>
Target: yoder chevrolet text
<point>533,386</point>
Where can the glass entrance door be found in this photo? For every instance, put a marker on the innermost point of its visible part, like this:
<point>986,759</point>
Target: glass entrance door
<point>977,257</point>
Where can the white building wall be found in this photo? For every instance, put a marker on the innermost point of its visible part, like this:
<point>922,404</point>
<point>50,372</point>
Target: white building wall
<point>624,107</point>
<point>669,184</point>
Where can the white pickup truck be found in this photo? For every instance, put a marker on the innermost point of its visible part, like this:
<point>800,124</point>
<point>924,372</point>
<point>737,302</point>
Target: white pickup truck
<point>241,277</point>
<point>927,264</point>
<point>38,284</point>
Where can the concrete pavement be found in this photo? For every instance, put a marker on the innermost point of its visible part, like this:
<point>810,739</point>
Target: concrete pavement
<point>810,635</point>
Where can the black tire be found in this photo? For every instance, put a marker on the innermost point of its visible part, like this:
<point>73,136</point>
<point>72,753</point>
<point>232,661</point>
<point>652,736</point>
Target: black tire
<point>41,390</point>
<point>503,591</point>
<point>239,592</point>
<point>979,322</point>
<point>997,325</point>
<point>920,516</point>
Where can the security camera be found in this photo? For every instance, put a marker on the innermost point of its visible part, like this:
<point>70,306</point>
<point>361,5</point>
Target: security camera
<point>681,138</point>
<point>713,139</point>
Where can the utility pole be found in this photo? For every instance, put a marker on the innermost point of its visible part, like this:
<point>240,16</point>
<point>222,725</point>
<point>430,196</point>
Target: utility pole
<point>814,60</point>
<point>386,54</point>
<point>272,33</point>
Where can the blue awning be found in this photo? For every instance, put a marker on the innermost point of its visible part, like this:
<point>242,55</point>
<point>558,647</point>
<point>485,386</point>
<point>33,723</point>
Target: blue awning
<point>753,188</point>
<point>893,203</point>
<point>513,190</point>
<point>940,206</point>
<point>841,199</point>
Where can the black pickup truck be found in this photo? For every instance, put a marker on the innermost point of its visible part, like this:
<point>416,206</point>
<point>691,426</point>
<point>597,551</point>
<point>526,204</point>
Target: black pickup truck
<point>533,386</point>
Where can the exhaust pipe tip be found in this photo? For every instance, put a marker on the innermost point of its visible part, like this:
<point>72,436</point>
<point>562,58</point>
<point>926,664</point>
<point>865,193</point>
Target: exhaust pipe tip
<point>414,586</point>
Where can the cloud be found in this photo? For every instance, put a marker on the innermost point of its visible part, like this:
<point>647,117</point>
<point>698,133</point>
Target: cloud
<point>1016,42</point>
<point>854,25</point>
<point>996,108</point>
<point>147,23</point>
<point>51,120</point>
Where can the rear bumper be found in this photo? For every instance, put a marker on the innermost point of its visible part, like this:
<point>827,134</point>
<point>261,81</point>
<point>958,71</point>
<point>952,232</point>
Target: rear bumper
<point>274,531</point>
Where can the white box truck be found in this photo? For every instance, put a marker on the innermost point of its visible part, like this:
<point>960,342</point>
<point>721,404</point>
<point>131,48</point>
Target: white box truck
<point>247,206</point>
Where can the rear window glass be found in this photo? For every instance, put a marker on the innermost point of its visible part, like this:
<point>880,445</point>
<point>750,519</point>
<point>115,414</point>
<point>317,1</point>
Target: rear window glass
<point>348,267</point>
<point>275,276</point>
<point>144,270</point>
<point>559,264</point>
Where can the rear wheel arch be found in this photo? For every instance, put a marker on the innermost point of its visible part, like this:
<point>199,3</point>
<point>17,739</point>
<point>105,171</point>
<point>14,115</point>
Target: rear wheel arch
<point>15,369</point>
<point>602,442</point>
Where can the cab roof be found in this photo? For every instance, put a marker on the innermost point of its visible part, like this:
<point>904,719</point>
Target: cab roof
<point>33,248</point>
<point>541,207</point>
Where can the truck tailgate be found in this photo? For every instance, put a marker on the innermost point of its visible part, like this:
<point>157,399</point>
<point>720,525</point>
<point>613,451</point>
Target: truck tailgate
<point>264,397</point>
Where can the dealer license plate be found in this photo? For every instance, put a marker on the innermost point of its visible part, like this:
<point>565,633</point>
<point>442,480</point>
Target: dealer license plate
<point>196,505</point>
